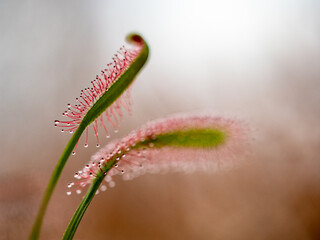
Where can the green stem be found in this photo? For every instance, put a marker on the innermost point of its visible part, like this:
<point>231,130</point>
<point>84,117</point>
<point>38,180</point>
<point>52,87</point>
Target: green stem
<point>76,218</point>
<point>95,111</point>
<point>53,181</point>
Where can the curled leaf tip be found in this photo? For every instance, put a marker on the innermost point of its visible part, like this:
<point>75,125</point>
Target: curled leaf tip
<point>135,38</point>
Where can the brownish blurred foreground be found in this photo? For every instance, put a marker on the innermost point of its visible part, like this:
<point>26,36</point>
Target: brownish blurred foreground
<point>275,194</point>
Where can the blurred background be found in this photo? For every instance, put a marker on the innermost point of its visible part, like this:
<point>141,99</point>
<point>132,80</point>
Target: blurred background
<point>255,60</point>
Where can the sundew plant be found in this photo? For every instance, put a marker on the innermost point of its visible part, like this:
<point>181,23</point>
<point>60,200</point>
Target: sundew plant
<point>180,143</point>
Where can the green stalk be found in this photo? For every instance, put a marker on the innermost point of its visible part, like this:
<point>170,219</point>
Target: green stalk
<point>75,221</point>
<point>97,109</point>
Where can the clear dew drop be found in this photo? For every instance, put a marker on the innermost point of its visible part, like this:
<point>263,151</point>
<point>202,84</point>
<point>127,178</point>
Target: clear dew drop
<point>108,178</point>
<point>68,193</point>
<point>116,130</point>
<point>97,192</point>
<point>78,191</point>
<point>73,153</point>
<point>85,145</point>
<point>103,188</point>
<point>107,136</point>
<point>70,185</point>
<point>71,131</point>
<point>98,145</point>
<point>126,177</point>
<point>112,184</point>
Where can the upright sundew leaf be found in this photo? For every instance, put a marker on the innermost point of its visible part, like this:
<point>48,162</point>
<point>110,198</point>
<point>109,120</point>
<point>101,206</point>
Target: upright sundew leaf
<point>92,103</point>
<point>179,144</point>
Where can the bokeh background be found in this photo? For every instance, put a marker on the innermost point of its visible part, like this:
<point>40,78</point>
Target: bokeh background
<point>256,60</point>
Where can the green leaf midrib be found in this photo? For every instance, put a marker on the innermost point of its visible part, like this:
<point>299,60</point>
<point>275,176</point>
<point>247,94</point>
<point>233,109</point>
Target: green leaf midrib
<point>188,138</point>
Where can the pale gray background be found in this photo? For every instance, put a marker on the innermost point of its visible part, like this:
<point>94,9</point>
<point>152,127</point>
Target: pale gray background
<point>259,60</point>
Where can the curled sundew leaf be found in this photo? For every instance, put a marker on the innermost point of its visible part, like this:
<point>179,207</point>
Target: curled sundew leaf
<point>105,98</point>
<point>92,104</point>
<point>178,144</point>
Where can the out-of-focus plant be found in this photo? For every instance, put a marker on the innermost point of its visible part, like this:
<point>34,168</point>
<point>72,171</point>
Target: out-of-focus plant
<point>179,144</point>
